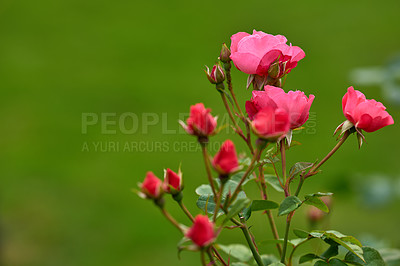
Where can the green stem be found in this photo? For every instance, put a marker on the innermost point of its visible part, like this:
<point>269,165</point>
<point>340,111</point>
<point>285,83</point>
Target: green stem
<point>171,219</point>
<point>218,200</point>
<point>285,242</point>
<point>227,67</point>
<point>208,168</point>
<point>253,249</point>
<point>329,155</point>
<point>283,160</point>
<point>256,156</point>
<point>203,258</point>
<point>228,109</point>
<point>186,211</point>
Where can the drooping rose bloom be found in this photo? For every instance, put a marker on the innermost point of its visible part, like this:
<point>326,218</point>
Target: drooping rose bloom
<point>254,54</point>
<point>200,122</point>
<point>172,181</point>
<point>226,161</point>
<point>202,231</point>
<point>271,124</point>
<point>295,103</point>
<point>151,186</point>
<point>368,115</point>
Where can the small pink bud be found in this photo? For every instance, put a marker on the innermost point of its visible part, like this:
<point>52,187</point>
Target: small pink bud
<point>200,122</point>
<point>151,186</point>
<point>225,54</point>
<point>225,161</point>
<point>202,231</point>
<point>217,74</point>
<point>172,181</point>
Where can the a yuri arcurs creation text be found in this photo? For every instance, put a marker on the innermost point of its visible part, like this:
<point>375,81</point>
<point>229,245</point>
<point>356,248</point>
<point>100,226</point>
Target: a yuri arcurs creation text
<point>265,125</point>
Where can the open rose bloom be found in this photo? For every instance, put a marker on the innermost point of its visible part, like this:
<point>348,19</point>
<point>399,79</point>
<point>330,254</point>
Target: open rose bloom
<point>255,53</point>
<point>368,115</point>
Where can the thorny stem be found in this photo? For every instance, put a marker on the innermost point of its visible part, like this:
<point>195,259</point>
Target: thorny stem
<point>283,160</point>
<point>329,155</point>
<point>227,67</point>
<point>218,200</point>
<point>171,219</point>
<point>285,241</point>
<point>208,168</point>
<point>186,211</point>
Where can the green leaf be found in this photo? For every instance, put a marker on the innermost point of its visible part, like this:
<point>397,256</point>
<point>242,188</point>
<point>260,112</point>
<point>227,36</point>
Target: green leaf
<point>269,259</point>
<point>317,202</point>
<point>261,205</point>
<point>208,201</point>
<point>237,207</point>
<point>247,212</point>
<point>332,251</point>
<point>320,194</point>
<point>308,257</point>
<point>276,263</point>
<point>238,176</point>
<point>337,262</point>
<point>371,256</point>
<point>356,250</point>
<point>204,190</point>
<point>288,205</point>
<point>274,182</point>
<point>298,167</point>
<point>321,263</point>
<point>301,233</point>
<point>239,264</point>
<point>297,241</point>
<point>237,251</point>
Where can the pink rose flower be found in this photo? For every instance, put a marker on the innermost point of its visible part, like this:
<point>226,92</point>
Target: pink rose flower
<point>271,124</point>
<point>151,186</point>
<point>172,181</point>
<point>295,103</point>
<point>226,161</point>
<point>202,231</point>
<point>254,54</point>
<point>368,115</point>
<point>200,122</point>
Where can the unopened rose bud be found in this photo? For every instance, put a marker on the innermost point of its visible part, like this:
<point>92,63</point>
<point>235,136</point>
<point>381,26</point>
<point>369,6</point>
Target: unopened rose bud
<point>200,122</point>
<point>172,182</point>
<point>217,75</point>
<point>151,186</point>
<point>202,232</point>
<point>225,54</point>
<point>274,70</point>
<point>225,161</point>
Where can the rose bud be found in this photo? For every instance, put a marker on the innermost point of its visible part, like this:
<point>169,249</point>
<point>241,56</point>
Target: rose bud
<point>151,186</point>
<point>217,74</point>
<point>368,115</point>
<point>254,54</point>
<point>271,124</point>
<point>200,122</point>
<point>295,103</point>
<point>225,54</point>
<point>225,161</point>
<point>314,214</point>
<point>202,231</point>
<point>172,181</point>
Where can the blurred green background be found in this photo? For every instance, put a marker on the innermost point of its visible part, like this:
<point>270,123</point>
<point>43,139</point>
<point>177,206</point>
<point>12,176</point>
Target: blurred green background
<point>61,205</point>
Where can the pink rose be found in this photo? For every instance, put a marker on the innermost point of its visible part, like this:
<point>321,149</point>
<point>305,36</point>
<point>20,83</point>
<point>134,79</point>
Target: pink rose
<point>368,115</point>
<point>151,186</point>
<point>202,231</point>
<point>271,124</point>
<point>254,54</point>
<point>217,74</point>
<point>295,103</point>
<point>200,122</point>
<point>172,181</point>
<point>226,161</point>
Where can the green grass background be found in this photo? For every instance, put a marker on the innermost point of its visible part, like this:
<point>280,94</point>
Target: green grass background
<point>59,59</point>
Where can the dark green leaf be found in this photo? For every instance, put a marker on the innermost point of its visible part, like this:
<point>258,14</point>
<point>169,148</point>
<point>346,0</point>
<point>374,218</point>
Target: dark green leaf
<point>371,256</point>
<point>317,202</point>
<point>300,233</point>
<point>321,263</point>
<point>332,251</point>
<point>247,212</point>
<point>308,257</point>
<point>288,205</point>
<point>208,201</point>
<point>261,205</point>
<point>237,207</point>
<point>276,263</point>
<point>298,167</point>
<point>238,251</point>
<point>320,194</point>
<point>274,182</point>
<point>297,241</point>
<point>337,262</point>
